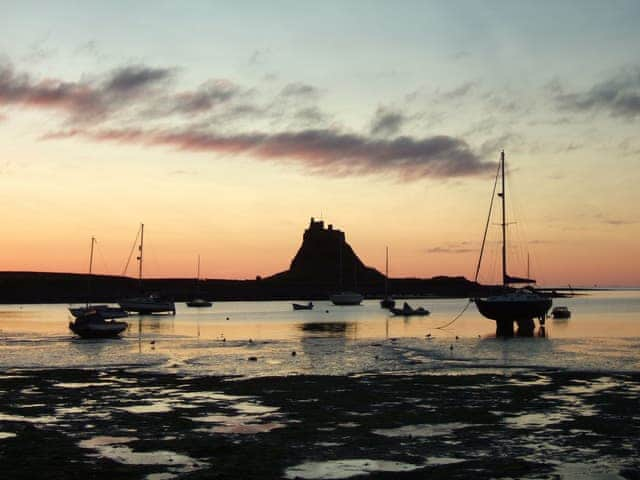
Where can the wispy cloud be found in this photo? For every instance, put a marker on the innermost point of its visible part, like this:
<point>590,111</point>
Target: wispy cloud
<point>326,152</point>
<point>299,89</point>
<point>142,102</point>
<point>619,95</point>
<point>81,100</point>
<point>453,248</point>
<point>387,122</point>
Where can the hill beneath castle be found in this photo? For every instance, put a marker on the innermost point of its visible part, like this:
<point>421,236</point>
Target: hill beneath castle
<point>326,259</point>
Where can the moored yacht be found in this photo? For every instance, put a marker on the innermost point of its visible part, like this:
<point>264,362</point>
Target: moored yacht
<point>520,306</point>
<point>93,325</point>
<point>151,303</point>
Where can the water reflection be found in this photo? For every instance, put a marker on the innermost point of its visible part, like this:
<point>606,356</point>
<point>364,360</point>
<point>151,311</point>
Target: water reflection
<point>330,328</point>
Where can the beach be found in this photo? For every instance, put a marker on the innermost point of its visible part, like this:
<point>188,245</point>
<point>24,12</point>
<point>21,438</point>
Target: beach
<point>256,390</point>
<point>115,423</point>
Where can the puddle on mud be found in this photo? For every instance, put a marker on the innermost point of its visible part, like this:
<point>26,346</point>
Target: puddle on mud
<point>248,407</point>
<point>530,420</point>
<point>444,460</point>
<point>83,385</point>
<point>423,430</point>
<point>114,449</point>
<point>103,440</point>
<point>152,408</point>
<point>337,469</point>
<point>45,419</point>
<point>241,424</point>
<point>4,435</point>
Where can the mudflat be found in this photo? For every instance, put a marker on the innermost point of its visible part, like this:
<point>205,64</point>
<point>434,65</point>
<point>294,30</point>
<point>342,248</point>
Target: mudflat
<point>125,423</point>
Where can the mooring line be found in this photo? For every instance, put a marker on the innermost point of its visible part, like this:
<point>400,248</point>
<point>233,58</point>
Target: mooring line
<point>441,327</point>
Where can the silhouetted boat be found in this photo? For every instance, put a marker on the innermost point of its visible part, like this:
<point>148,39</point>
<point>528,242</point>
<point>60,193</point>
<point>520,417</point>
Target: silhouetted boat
<point>151,303</point>
<point>522,305</point>
<point>299,306</point>
<point>105,310</point>
<point>408,311</point>
<point>198,302</point>
<point>561,312</point>
<point>93,325</point>
<point>387,302</point>
<point>346,298</point>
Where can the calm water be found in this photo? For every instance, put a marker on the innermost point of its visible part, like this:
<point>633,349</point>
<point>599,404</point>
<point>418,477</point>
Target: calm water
<point>603,334</point>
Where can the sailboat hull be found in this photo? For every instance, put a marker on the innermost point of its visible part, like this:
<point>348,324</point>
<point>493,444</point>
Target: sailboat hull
<point>510,310</point>
<point>146,306</point>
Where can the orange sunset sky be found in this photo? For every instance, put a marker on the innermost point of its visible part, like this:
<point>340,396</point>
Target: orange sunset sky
<point>224,128</point>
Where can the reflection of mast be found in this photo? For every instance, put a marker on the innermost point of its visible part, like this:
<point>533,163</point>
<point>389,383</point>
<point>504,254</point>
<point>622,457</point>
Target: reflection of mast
<point>140,250</point>
<point>340,247</point>
<point>386,275</point>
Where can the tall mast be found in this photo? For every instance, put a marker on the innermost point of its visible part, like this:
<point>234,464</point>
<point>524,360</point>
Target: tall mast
<point>504,226</point>
<point>140,249</point>
<point>93,241</point>
<point>340,247</point>
<point>386,274</point>
<point>198,274</point>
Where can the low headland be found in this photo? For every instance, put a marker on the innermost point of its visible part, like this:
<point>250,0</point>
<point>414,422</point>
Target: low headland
<point>325,263</point>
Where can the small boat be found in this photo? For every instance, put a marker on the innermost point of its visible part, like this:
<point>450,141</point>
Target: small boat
<point>299,306</point>
<point>146,304</point>
<point>198,302</point>
<point>104,310</point>
<point>560,312</point>
<point>93,325</point>
<point>346,298</point>
<point>387,302</point>
<point>520,305</point>
<point>408,311</point>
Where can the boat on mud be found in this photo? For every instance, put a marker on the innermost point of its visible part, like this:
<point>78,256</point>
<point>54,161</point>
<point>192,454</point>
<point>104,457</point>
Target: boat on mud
<point>93,325</point>
<point>408,311</point>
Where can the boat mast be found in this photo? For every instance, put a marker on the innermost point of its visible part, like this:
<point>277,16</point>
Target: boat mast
<point>504,225</point>
<point>198,272</point>
<point>386,274</point>
<point>93,241</point>
<point>340,247</point>
<point>140,254</point>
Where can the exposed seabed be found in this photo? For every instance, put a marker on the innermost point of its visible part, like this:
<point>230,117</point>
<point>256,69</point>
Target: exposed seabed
<point>118,423</point>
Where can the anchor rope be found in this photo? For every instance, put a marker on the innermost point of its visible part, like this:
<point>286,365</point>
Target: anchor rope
<point>441,327</point>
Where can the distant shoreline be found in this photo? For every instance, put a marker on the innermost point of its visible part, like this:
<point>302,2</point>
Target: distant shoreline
<point>23,288</point>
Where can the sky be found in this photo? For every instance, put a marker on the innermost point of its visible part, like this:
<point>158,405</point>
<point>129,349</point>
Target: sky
<point>224,127</point>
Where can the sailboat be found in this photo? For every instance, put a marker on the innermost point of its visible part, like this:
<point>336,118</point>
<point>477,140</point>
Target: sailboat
<point>198,302</point>
<point>152,303</point>
<point>520,306</point>
<point>344,298</point>
<point>388,301</point>
<point>104,310</point>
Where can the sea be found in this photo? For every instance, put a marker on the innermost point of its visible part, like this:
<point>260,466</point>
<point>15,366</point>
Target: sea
<point>269,338</point>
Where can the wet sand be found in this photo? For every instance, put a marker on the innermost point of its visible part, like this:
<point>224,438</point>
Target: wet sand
<point>119,423</point>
